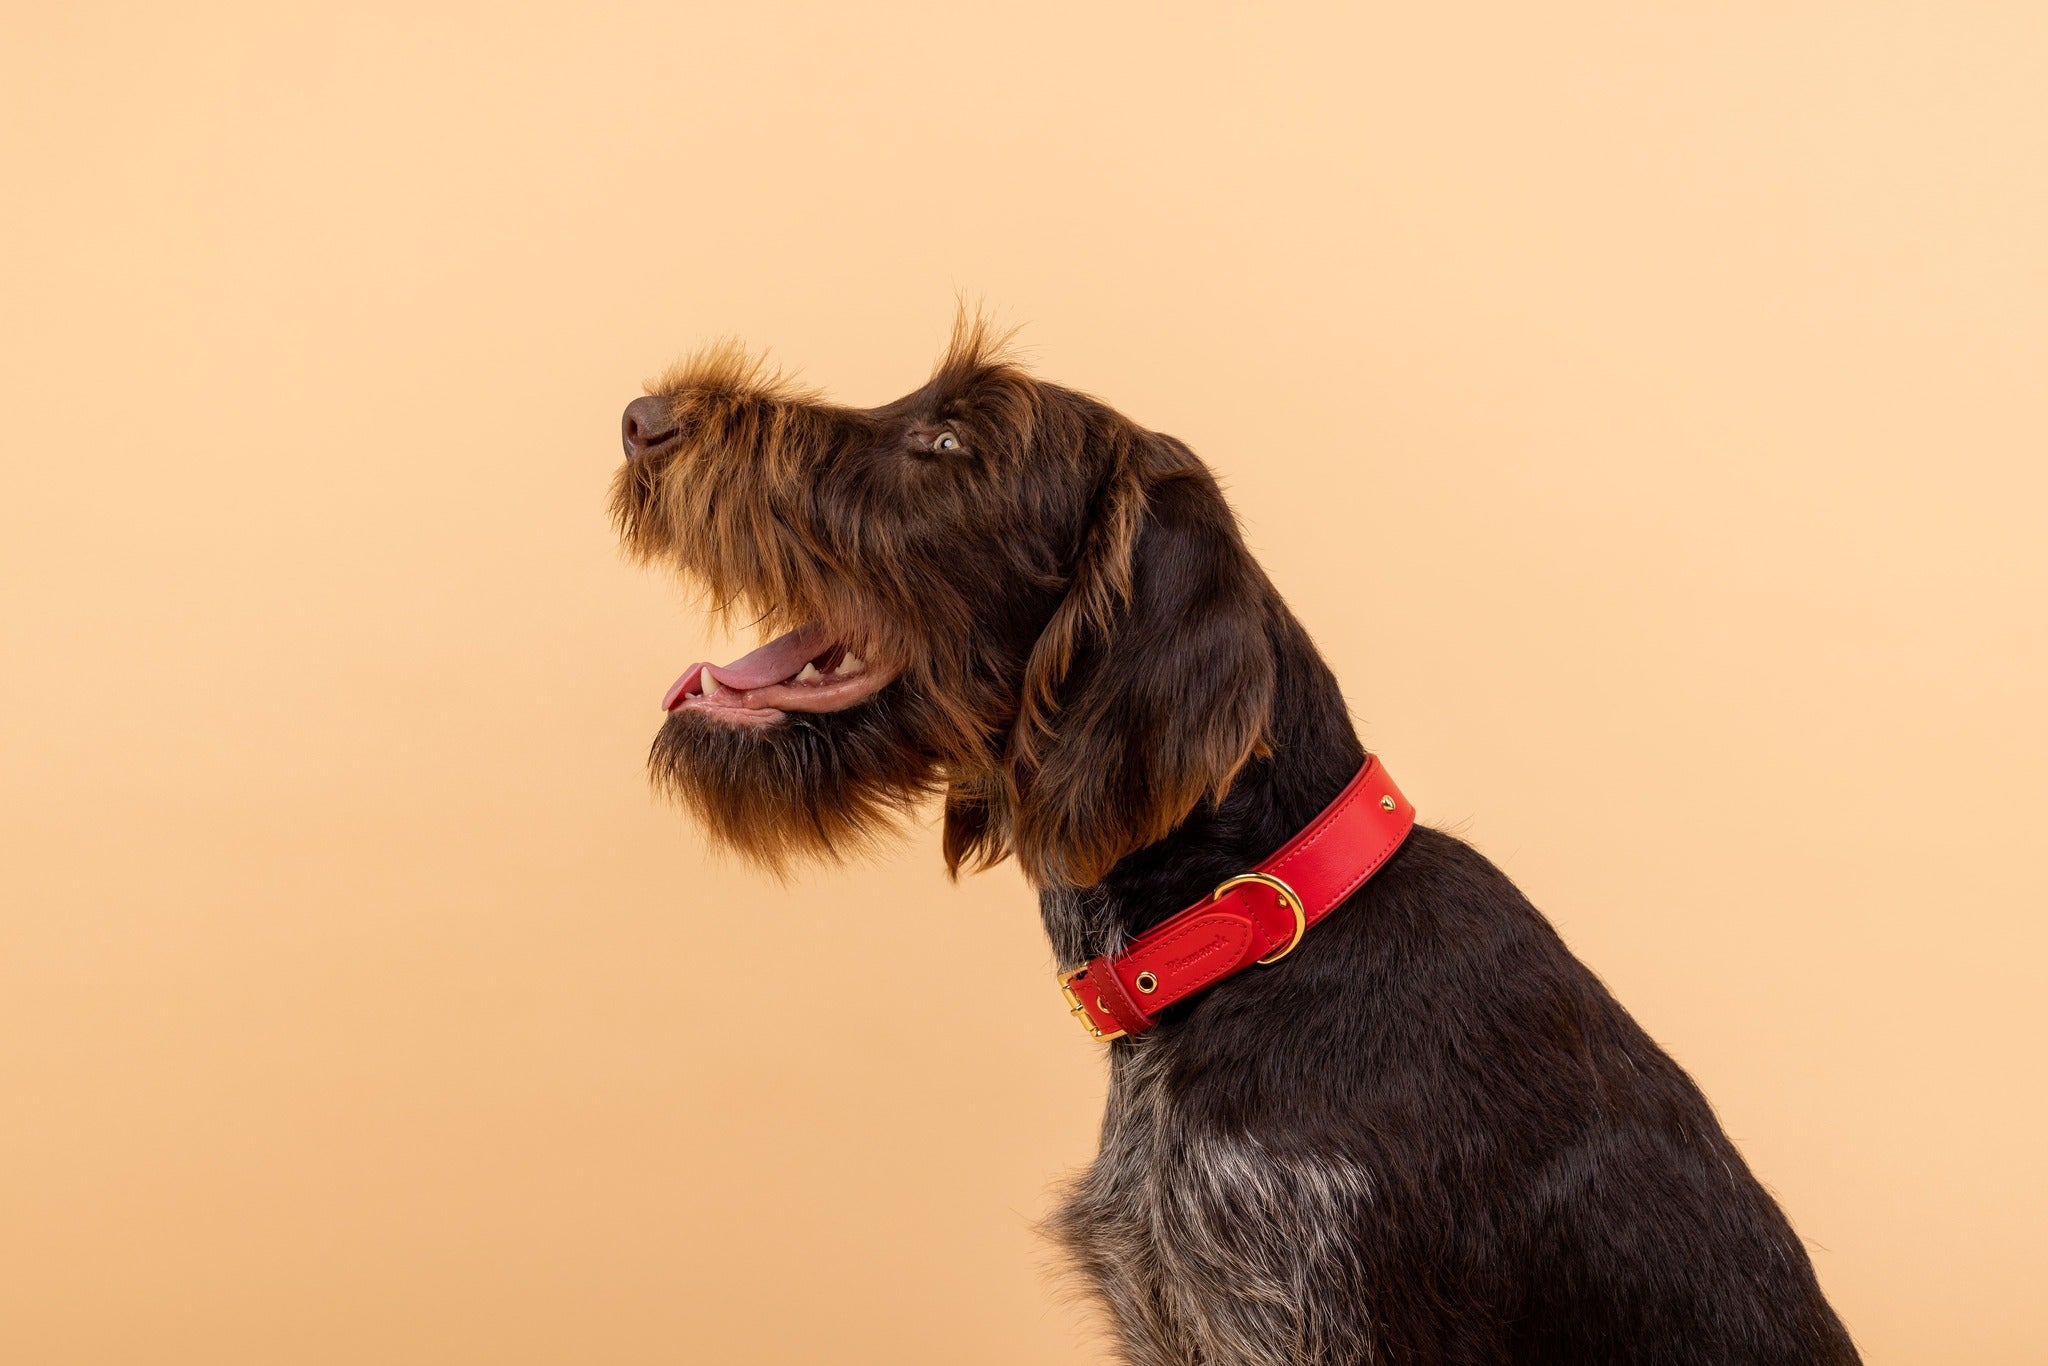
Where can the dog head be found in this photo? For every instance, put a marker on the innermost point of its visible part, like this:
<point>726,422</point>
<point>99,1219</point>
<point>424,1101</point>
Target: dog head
<point>993,589</point>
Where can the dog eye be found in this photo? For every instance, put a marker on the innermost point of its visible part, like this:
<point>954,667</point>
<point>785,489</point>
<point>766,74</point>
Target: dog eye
<point>946,442</point>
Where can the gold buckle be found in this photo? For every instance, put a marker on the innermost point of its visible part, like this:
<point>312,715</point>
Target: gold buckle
<point>1079,1011</point>
<point>1286,894</point>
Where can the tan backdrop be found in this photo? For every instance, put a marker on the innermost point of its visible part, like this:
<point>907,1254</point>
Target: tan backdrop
<point>1645,411</point>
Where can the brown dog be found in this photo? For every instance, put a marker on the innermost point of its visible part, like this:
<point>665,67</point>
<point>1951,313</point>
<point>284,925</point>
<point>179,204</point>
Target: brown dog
<point>1429,1135</point>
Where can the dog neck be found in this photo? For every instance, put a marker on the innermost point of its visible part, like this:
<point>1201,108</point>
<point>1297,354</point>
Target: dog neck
<point>1315,751</point>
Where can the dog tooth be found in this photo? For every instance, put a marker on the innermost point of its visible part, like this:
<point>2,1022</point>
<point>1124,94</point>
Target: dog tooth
<point>808,674</point>
<point>850,665</point>
<point>710,685</point>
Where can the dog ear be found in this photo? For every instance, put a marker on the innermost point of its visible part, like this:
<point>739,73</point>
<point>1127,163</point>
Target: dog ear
<point>1153,683</point>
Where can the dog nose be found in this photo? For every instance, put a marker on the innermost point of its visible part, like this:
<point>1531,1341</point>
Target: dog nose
<point>647,424</point>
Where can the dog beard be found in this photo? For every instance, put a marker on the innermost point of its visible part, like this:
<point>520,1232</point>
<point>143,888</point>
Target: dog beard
<point>824,783</point>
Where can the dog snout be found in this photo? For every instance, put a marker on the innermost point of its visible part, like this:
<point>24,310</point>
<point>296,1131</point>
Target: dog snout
<point>648,425</point>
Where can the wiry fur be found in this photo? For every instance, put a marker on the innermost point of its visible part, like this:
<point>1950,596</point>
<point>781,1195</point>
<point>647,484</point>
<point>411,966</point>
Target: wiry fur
<point>1430,1135</point>
<point>1209,1245</point>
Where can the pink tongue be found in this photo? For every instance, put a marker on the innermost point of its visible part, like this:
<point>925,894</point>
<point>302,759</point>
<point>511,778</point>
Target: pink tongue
<point>779,659</point>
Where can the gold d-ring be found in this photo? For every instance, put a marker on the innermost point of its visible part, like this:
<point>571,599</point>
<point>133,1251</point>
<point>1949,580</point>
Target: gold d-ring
<point>1286,894</point>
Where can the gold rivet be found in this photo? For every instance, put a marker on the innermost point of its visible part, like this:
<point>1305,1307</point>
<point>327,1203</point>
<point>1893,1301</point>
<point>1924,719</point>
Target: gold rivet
<point>1147,983</point>
<point>1386,803</point>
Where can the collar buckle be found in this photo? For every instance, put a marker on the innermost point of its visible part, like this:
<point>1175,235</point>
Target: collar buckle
<point>1080,1011</point>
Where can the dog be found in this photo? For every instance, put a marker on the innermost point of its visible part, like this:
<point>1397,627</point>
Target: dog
<point>1427,1134</point>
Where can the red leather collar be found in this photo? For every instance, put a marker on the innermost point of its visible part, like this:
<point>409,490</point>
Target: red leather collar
<point>1254,918</point>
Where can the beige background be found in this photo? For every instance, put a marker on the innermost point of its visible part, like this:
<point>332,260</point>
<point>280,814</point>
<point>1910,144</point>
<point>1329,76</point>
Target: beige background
<point>1643,405</point>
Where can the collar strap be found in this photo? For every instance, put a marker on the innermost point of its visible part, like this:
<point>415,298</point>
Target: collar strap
<point>1254,918</point>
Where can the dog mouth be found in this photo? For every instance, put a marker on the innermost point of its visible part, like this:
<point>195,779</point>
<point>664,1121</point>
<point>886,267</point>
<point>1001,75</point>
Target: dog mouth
<point>806,670</point>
